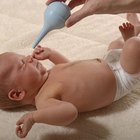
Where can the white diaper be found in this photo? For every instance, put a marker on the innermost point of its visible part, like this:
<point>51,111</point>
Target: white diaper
<point>112,55</point>
<point>125,82</point>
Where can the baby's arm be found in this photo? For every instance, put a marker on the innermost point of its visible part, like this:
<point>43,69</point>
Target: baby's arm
<point>53,111</point>
<point>42,53</point>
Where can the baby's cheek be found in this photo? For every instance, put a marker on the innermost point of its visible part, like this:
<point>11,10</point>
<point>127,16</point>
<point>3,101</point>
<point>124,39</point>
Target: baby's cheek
<point>33,81</point>
<point>34,73</point>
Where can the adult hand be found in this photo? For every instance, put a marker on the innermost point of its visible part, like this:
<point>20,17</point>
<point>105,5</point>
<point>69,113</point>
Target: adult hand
<point>90,7</point>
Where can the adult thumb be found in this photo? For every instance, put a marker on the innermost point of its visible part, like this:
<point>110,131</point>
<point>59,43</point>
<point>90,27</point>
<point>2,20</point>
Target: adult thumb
<point>76,17</point>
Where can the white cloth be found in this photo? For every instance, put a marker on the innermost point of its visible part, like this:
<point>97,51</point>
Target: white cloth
<point>125,82</point>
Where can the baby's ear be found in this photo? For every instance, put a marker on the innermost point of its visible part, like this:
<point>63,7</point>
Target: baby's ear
<point>16,95</point>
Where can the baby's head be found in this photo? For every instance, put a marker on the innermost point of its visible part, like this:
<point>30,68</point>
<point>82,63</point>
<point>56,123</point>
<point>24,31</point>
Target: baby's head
<point>21,77</point>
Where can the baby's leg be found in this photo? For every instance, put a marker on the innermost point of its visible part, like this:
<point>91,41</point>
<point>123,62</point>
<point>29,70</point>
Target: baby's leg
<point>130,57</point>
<point>127,31</point>
<point>133,19</point>
<point>116,44</point>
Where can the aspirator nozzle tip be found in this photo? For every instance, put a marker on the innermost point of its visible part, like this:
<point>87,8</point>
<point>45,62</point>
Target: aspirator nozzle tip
<point>55,16</point>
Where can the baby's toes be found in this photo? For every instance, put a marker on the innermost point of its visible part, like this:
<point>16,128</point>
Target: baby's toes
<point>127,25</point>
<point>121,28</point>
<point>124,25</point>
<point>131,26</point>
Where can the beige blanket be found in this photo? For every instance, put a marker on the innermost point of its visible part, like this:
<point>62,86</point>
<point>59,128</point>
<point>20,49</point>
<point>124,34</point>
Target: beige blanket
<point>20,22</point>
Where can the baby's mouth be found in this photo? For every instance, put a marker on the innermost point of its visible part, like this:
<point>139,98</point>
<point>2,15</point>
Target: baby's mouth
<point>40,67</point>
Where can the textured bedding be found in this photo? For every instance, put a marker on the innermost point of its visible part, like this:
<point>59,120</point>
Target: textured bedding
<point>20,22</point>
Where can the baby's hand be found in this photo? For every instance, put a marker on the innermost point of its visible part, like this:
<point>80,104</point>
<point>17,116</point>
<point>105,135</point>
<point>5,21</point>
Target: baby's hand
<point>41,53</point>
<point>24,124</point>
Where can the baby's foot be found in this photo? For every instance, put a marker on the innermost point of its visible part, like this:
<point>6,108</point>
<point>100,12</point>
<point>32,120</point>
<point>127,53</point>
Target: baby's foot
<point>133,19</point>
<point>127,30</point>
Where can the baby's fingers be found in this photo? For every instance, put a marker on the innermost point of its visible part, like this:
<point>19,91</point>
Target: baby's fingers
<point>20,121</point>
<point>38,57</point>
<point>38,49</point>
<point>19,132</point>
<point>22,130</point>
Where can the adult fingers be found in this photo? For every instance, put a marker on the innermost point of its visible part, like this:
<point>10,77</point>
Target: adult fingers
<point>74,3</point>
<point>76,17</point>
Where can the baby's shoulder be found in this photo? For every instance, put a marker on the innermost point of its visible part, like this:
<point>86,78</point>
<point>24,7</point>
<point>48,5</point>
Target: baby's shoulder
<point>53,90</point>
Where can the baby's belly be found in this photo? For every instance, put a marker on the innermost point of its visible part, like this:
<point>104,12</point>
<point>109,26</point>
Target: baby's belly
<point>91,89</point>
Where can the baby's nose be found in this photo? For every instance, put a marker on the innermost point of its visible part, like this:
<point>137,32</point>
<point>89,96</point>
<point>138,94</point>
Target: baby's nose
<point>29,59</point>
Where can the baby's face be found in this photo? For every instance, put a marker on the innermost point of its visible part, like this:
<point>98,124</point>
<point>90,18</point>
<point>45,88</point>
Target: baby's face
<point>23,71</point>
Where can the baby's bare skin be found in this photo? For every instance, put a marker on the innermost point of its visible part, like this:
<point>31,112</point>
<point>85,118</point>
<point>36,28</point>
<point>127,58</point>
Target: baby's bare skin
<point>75,82</point>
<point>72,87</point>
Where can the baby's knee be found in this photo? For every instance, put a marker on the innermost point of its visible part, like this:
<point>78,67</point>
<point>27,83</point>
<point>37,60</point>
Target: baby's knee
<point>132,45</point>
<point>133,42</point>
<point>115,45</point>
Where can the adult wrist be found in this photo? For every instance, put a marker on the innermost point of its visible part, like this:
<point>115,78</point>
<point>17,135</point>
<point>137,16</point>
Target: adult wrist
<point>120,6</point>
<point>104,7</point>
<point>115,6</point>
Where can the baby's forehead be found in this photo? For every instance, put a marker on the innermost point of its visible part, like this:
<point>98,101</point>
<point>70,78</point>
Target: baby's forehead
<point>9,55</point>
<point>5,64</point>
<point>7,61</point>
<point>6,55</point>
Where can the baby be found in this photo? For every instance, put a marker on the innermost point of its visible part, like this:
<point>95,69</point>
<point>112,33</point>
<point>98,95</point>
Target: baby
<point>69,87</point>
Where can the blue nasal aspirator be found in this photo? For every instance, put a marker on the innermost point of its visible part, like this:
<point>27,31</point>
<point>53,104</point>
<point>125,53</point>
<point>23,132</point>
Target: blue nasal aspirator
<point>55,16</point>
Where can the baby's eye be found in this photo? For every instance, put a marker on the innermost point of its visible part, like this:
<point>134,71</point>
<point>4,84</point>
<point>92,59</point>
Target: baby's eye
<point>22,62</point>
